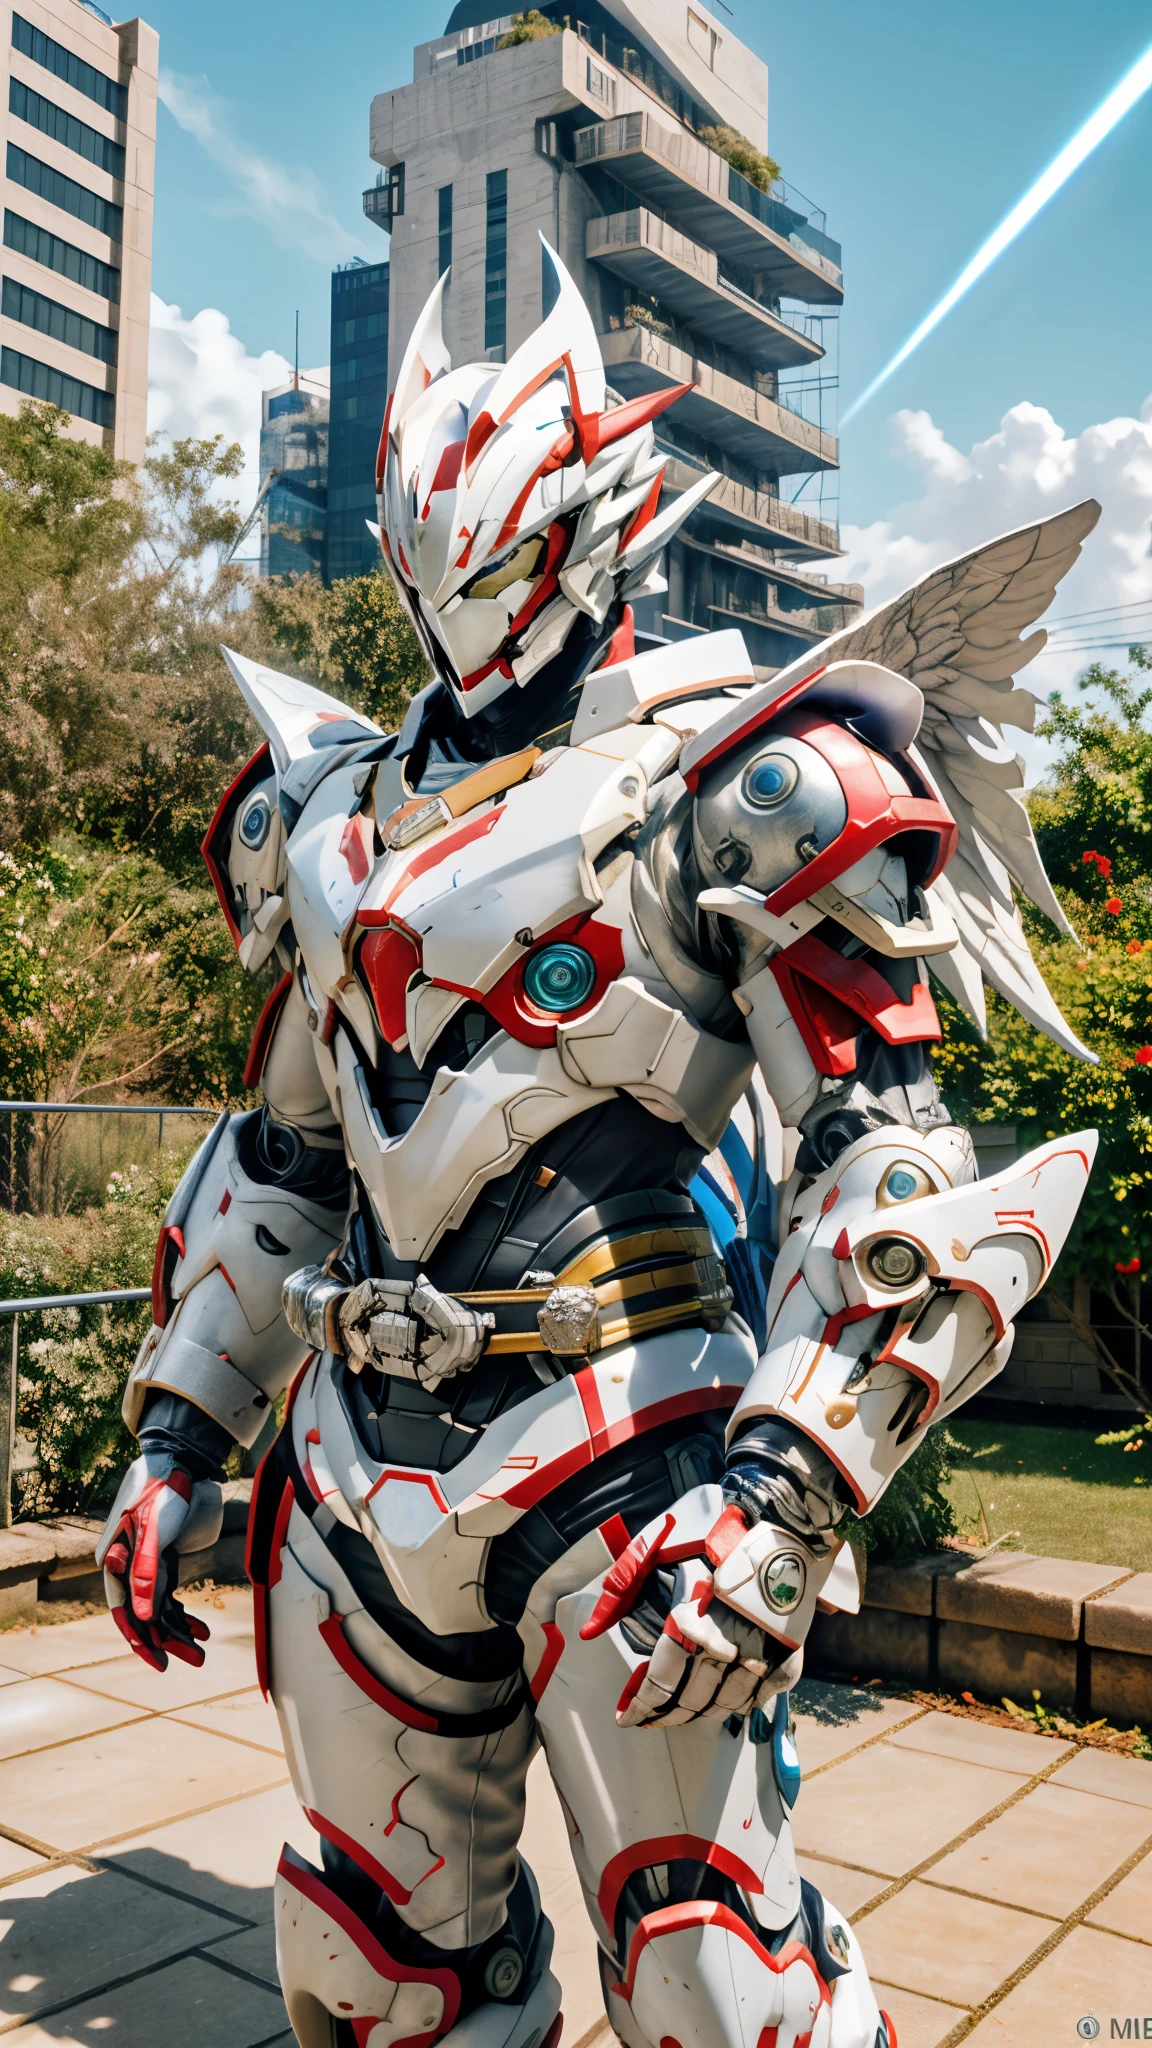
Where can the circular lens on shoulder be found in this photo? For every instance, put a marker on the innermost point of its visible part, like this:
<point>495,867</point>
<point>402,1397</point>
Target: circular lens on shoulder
<point>770,780</point>
<point>255,823</point>
<point>893,1262</point>
<point>901,1184</point>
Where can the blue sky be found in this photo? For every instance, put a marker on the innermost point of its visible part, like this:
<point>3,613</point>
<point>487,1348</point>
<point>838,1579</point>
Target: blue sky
<point>915,127</point>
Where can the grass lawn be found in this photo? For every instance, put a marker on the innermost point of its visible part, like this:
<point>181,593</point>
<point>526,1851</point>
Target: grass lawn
<point>1063,1494</point>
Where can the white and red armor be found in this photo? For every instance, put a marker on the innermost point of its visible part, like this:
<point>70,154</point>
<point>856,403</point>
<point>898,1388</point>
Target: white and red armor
<point>549,1472</point>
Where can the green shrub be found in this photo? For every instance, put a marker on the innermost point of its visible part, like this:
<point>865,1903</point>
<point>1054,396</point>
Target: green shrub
<point>760,170</point>
<point>914,1513</point>
<point>529,27</point>
<point>73,1363</point>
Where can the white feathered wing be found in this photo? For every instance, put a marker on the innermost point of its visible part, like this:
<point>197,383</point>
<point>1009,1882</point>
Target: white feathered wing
<point>957,636</point>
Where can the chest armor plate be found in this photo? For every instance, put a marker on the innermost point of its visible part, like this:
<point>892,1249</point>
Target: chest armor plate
<point>501,906</point>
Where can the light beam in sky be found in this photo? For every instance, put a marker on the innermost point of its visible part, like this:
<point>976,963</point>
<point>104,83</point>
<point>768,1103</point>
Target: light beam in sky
<point>1122,97</point>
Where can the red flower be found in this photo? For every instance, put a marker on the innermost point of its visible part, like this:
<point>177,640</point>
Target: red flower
<point>1144,1056</point>
<point>1134,946</point>
<point>1089,855</point>
<point>1133,1266</point>
<point>1113,906</point>
<point>1102,863</point>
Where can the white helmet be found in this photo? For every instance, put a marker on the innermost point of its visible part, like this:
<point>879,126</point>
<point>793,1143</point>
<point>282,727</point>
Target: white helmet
<point>512,502</point>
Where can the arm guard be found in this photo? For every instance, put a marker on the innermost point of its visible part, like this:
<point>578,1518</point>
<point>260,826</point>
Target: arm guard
<point>254,1206</point>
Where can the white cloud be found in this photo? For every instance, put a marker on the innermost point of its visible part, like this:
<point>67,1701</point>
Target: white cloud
<point>1027,469</point>
<point>287,199</point>
<point>202,381</point>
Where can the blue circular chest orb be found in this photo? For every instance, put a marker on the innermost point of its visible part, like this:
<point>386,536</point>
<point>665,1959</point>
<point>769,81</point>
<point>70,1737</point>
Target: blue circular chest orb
<point>770,780</point>
<point>559,977</point>
<point>901,1184</point>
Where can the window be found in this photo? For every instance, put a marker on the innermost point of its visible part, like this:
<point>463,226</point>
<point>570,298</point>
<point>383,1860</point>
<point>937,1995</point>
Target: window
<point>48,316</point>
<point>52,120</point>
<point>395,192</point>
<point>32,42</point>
<point>55,254</point>
<point>444,229</point>
<point>36,380</point>
<point>496,261</point>
<point>65,192</point>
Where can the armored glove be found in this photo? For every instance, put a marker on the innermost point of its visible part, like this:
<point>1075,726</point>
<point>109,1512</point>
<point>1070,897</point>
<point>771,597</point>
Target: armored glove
<point>159,1513</point>
<point>413,1332</point>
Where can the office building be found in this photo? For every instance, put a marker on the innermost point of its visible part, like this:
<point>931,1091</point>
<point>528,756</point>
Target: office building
<point>359,395</point>
<point>635,139</point>
<point>78,200</point>
<point>294,476</point>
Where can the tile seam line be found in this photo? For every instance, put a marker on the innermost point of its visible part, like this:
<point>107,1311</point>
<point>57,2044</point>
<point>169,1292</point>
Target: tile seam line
<point>1067,1926</point>
<point>153,1713</point>
<point>238,1923</point>
<point>170,1820</point>
<point>228,1969</point>
<point>957,1891</point>
<point>869,1742</point>
<point>966,1835</point>
<point>59,2005</point>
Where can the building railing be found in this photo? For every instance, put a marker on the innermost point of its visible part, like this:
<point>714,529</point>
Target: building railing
<point>692,160</point>
<point>758,508</point>
<point>658,343</point>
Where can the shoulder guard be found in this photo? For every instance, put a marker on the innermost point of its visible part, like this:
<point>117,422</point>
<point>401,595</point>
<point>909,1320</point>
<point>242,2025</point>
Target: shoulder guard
<point>308,735</point>
<point>813,803</point>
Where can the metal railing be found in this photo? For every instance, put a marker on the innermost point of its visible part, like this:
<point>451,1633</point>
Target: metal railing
<point>30,1159</point>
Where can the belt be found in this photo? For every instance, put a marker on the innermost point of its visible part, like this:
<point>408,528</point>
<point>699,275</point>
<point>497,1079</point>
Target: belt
<point>633,1283</point>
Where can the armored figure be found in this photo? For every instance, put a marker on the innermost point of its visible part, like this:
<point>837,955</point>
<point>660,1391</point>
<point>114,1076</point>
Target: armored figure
<point>552,1472</point>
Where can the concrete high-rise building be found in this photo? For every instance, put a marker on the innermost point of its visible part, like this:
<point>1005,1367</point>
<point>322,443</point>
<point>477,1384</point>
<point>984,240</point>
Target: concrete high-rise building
<point>78,201</point>
<point>359,395</point>
<point>635,139</point>
<point>294,476</point>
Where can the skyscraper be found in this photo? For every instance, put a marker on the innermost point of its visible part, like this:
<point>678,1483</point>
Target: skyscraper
<point>294,476</point>
<point>359,395</point>
<point>635,140</point>
<point>78,198</point>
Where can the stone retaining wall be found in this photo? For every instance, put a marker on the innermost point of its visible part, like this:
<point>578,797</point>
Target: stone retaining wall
<point>1001,1622</point>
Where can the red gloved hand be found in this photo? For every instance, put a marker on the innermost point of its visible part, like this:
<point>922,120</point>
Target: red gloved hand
<point>157,1508</point>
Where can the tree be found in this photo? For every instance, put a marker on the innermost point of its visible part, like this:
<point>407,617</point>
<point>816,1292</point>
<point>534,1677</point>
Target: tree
<point>355,638</point>
<point>1093,823</point>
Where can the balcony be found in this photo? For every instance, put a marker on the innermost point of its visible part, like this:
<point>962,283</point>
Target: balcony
<point>726,413</point>
<point>701,193</point>
<point>686,279</point>
<point>751,514</point>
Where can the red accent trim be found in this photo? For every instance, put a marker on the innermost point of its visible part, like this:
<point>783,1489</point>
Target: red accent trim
<point>622,645</point>
<point>380,1875</point>
<point>261,761</point>
<point>707,1913</point>
<point>411,1479</point>
<point>171,1238</point>
<point>280,1535</point>
<point>797,1276</point>
<point>333,1634</point>
<point>615,1534</point>
<point>724,1536</point>
<point>447,471</point>
<point>874,813</point>
<point>622,1581</point>
<point>892,2041</point>
<point>555,458</point>
<point>389,959</point>
<point>835,1324</point>
<point>228,1277</point>
<point>841,1249</point>
<point>477,676</point>
<point>645,515</point>
<point>697,1401</point>
<point>482,429</point>
<point>507,1002</point>
<point>551,2038</point>
<point>306,1880</point>
<point>633,1686</point>
<point>382,449</point>
<point>830,1200</point>
<point>856,989</point>
<point>266,1024</point>
<point>452,842</point>
<point>352,848</point>
<point>549,1661</point>
<point>598,430</point>
<point>225,1202</point>
<point>672,1849</point>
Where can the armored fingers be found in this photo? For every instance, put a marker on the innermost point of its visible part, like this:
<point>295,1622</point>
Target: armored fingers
<point>261,1197</point>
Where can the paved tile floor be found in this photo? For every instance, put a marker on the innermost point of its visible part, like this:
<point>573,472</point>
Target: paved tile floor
<point>1001,1884</point>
